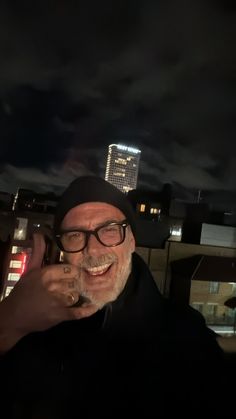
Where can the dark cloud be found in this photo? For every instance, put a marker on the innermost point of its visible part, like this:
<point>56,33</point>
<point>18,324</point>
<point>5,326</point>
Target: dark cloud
<point>160,75</point>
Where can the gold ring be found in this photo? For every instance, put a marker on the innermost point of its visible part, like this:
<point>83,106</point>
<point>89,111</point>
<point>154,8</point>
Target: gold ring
<point>71,299</point>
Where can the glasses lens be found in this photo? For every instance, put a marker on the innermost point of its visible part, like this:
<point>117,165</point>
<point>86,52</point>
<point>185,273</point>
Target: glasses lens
<point>111,234</point>
<point>73,240</point>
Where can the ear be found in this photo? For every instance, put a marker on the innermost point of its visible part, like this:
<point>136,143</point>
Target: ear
<point>132,241</point>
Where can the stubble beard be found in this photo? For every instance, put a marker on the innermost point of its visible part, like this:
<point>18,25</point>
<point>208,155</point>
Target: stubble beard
<point>102,297</point>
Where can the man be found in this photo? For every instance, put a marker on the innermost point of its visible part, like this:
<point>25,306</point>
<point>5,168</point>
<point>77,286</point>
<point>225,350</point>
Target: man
<point>93,336</point>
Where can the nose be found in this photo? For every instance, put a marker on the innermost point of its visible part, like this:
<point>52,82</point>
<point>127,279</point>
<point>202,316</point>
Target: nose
<point>93,245</point>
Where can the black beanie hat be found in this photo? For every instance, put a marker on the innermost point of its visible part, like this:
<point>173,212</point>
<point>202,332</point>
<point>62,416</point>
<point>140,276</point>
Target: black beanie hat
<point>92,189</point>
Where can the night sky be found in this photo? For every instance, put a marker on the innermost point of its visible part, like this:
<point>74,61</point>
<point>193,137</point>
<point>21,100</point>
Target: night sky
<point>158,75</point>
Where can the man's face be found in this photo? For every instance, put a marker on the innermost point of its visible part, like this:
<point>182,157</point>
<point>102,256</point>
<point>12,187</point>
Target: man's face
<point>103,270</point>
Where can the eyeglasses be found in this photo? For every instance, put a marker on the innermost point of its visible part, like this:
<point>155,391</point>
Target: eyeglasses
<point>110,234</point>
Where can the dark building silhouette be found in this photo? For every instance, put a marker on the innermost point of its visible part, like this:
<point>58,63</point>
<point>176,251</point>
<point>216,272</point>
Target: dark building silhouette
<point>196,214</point>
<point>151,205</point>
<point>151,235</point>
<point>27,200</point>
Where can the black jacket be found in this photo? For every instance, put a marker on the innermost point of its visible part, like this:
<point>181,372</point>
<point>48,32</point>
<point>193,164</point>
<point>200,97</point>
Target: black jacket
<point>140,355</point>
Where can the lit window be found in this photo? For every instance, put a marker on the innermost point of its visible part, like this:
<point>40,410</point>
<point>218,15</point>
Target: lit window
<point>16,249</point>
<point>15,264</point>
<point>8,290</point>
<point>176,231</point>
<point>198,306</point>
<point>214,287</point>
<point>13,277</point>
<point>155,211</point>
<point>21,230</point>
<point>211,309</point>
<point>142,207</point>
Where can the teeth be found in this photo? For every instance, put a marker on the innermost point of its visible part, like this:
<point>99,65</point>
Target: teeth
<point>98,270</point>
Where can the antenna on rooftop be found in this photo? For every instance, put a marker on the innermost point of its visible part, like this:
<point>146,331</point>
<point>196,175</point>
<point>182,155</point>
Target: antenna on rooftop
<point>199,198</point>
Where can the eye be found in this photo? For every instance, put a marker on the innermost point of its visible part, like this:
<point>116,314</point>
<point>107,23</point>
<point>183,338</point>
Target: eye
<point>110,229</point>
<point>74,235</point>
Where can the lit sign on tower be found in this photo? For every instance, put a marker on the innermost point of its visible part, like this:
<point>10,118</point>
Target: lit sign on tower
<point>122,166</point>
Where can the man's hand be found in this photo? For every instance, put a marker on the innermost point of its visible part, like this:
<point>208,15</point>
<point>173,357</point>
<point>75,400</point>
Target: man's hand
<point>42,298</point>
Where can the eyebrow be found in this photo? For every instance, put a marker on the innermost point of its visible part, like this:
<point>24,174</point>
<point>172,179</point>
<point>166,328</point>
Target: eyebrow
<point>80,228</point>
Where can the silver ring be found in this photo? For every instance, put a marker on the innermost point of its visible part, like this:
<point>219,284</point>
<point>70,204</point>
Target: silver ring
<point>71,299</point>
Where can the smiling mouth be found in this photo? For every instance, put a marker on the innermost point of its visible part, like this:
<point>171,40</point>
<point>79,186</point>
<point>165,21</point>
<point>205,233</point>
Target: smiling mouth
<point>98,270</point>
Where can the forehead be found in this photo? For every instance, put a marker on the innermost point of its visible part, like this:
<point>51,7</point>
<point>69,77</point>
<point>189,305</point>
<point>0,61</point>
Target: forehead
<point>91,214</point>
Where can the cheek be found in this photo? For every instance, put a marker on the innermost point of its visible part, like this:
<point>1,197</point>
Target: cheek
<point>125,255</point>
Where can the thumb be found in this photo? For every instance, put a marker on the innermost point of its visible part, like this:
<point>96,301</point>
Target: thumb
<point>39,247</point>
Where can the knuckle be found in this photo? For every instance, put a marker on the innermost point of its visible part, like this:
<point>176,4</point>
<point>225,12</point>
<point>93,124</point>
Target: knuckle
<point>51,286</point>
<point>69,269</point>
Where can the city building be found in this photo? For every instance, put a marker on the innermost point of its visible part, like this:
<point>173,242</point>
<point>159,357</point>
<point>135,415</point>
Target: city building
<point>122,166</point>
<point>150,204</point>
<point>30,212</point>
<point>28,200</point>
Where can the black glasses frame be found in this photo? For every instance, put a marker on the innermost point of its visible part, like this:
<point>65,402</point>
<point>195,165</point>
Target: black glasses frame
<point>124,224</point>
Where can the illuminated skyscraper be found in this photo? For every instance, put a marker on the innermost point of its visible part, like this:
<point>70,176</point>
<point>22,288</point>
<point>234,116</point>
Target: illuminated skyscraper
<point>122,166</point>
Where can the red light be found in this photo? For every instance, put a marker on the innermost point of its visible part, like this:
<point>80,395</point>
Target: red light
<point>18,262</point>
<point>23,263</point>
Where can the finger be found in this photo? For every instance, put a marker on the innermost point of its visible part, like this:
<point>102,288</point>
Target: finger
<point>62,285</point>
<point>39,247</point>
<point>67,275</point>
<point>67,299</point>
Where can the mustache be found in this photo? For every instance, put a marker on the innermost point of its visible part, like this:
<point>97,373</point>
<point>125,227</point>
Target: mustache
<point>93,262</point>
